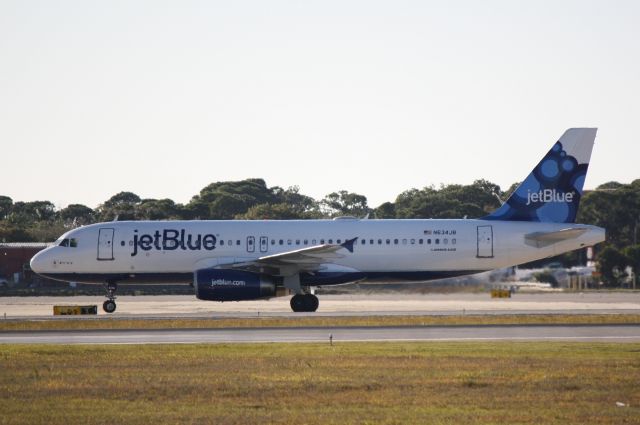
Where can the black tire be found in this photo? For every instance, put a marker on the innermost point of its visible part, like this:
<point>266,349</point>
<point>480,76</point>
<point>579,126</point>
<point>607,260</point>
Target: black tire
<point>298,303</point>
<point>109,306</point>
<point>304,303</point>
<point>311,302</point>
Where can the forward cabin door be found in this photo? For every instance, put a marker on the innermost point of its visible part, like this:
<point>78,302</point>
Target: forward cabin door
<point>485,242</point>
<point>105,244</point>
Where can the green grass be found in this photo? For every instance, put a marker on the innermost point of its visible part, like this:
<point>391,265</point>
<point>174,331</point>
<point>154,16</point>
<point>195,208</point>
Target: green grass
<point>347,383</point>
<point>115,323</point>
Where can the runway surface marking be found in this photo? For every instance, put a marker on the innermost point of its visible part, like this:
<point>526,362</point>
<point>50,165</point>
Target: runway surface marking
<point>621,333</point>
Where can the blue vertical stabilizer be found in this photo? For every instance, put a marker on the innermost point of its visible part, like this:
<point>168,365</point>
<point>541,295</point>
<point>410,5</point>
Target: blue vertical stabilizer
<point>552,192</point>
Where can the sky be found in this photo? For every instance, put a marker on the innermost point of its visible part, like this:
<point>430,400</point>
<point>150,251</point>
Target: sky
<point>161,98</point>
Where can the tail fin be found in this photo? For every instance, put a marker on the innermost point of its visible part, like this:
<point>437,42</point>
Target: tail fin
<point>552,192</point>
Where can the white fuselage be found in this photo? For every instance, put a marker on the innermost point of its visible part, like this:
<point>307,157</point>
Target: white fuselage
<point>171,251</point>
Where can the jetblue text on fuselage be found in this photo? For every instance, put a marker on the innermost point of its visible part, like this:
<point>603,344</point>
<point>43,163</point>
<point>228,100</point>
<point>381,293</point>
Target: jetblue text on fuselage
<point>548,195</point>
<point>171,240</point>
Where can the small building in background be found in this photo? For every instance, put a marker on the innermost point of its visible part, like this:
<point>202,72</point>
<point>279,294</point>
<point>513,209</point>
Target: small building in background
<point>15,258</point>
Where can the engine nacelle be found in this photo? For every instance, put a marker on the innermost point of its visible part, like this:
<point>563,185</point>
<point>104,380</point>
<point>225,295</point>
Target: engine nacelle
<point>232,285</point>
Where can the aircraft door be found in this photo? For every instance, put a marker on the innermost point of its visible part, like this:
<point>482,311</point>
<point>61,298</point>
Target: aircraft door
<point>264,244</point>
<point>105,244</point>
<point>251,244</point>
<point>485,242</point>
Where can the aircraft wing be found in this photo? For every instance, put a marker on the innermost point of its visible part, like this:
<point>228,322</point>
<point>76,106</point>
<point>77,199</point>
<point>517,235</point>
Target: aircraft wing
<point>299,260</point>
<point>542,239</point>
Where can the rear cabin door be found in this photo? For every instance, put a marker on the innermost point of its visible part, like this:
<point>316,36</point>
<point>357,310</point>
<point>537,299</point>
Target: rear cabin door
<point>485,242</point>
<point>105,244</point>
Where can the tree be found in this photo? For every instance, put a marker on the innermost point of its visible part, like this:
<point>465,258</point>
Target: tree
<point>157,209</point>
<point>225,200</point>
<point>77,215</point>
<point>121,206</point>
<point>344,203</point>
<point>272,212</point>
<point>615,207</point>
<point>6,204</point>
<point>27,213</point>
<point>386,210</point>
<point>304,206</point>
<point>611,265</point>
<point>633,257</point>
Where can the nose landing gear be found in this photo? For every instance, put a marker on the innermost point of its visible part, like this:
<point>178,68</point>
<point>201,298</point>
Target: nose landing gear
<point>109,306</point>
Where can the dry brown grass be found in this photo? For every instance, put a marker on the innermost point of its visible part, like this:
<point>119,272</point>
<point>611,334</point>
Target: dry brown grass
<point>321,321</point>
<point>391,383</point>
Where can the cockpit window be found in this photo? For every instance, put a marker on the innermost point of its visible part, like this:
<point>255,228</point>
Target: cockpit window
<point>72,243</point>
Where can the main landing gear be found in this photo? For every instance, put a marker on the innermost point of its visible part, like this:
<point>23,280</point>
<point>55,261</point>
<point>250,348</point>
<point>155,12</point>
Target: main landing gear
<point>304,303</point>
<point>109,306</point>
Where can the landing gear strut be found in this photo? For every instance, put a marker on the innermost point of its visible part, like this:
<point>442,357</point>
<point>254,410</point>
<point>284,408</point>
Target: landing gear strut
<point>304,303</point>
<point>109,306</point>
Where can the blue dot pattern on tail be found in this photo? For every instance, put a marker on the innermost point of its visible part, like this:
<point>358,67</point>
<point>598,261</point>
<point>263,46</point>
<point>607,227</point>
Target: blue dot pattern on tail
<point>551,193</point>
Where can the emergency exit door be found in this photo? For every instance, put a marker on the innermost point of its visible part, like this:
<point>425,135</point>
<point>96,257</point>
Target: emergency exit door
<point>105,244</point>
<point>485,242</point>
<point>264,244</point>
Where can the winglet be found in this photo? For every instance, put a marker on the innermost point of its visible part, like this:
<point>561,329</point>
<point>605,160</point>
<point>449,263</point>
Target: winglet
<point>349,244</point>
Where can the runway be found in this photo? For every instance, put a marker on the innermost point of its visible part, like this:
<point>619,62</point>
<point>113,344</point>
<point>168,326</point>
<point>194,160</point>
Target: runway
<point>565,333</point>
<point>360,304</point>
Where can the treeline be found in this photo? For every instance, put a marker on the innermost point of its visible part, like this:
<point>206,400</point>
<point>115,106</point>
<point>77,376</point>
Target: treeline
<point>250,199</point>
<point>614,206</point>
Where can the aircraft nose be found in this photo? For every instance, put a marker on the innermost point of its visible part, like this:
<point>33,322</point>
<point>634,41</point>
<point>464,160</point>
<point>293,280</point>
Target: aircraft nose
<point>38,262</point>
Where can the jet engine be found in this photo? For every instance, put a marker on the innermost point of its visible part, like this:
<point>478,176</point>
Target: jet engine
<point>233,285</point>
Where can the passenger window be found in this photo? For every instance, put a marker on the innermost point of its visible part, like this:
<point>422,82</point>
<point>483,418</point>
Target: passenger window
<point>281,242</point>
<point>428,241</point>
<point>364,242</point>
<point>339,241</point>
<point>321,241</point>
<point>330,240</point>
<point>230,242</point>
<point>273,241</point>
<point>395,242</point>
<point>238,242</point>
<point>297,241</point>
<point>388,241</point>
<point>437,241</point>
<point>379,241</point>
<point>420,241</point>
<point>413,241</point>
<point>221,242</point>
<point>289,241</point>
<point>453,241</point>
<point>370,241</point>
<point>313,241</point>
<point>306,242</point>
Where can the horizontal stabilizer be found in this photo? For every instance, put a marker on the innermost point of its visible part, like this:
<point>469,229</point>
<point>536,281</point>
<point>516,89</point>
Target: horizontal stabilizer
<point>542,239</point>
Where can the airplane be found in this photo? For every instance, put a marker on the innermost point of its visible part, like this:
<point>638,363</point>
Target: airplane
<point>235,260</point>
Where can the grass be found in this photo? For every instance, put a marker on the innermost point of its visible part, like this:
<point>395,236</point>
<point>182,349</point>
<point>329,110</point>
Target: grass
<point>347,383</point>
<point>323,321</point>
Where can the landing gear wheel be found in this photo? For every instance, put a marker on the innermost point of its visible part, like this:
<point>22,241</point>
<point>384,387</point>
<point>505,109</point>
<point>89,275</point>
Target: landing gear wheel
<point>304,303</point>
<point>109,306</point>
